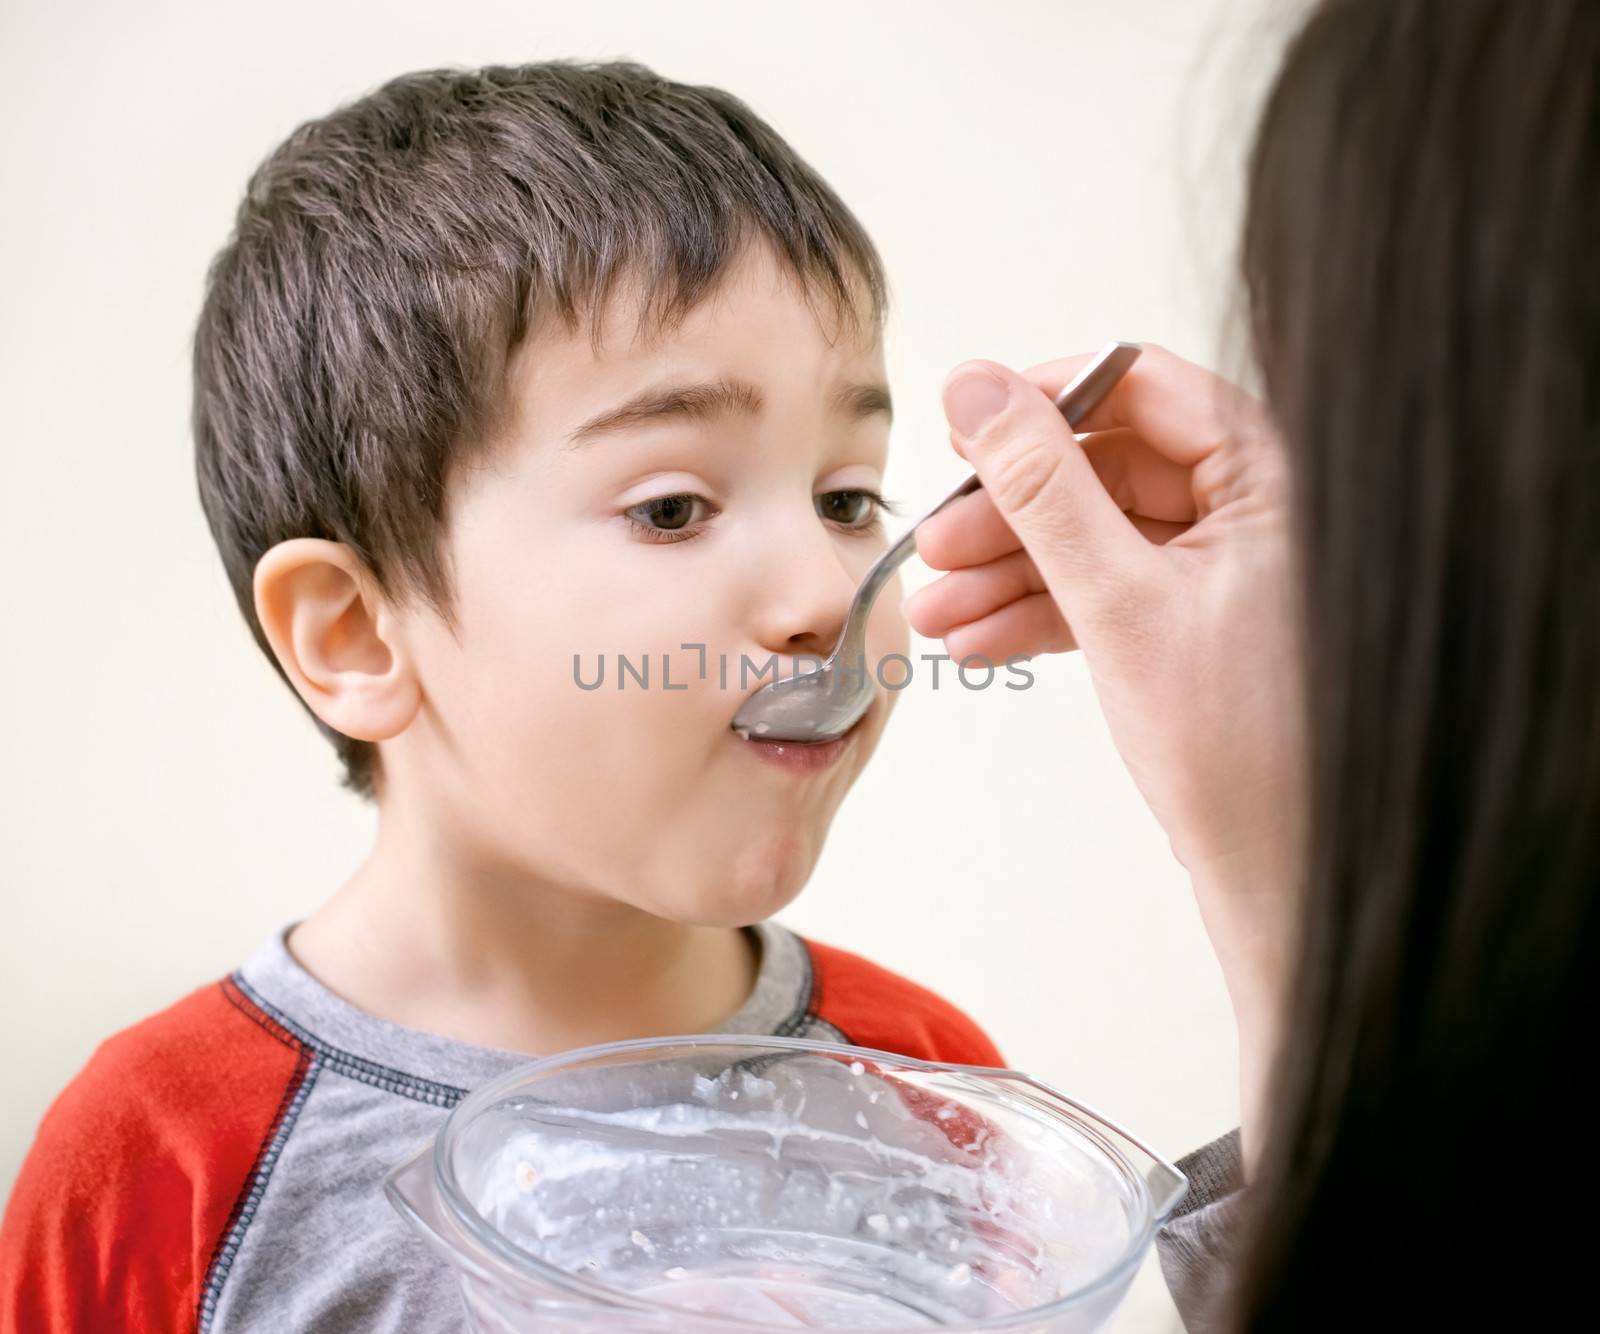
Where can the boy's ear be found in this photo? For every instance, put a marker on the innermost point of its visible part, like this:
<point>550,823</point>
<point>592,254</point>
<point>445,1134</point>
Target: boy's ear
<point>336,638</point>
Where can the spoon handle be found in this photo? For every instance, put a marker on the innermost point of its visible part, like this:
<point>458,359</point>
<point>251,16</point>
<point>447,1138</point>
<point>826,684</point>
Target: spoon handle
<point>1075,402</point>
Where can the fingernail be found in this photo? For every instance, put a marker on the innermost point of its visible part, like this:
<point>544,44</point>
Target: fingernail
<point>972,399</point>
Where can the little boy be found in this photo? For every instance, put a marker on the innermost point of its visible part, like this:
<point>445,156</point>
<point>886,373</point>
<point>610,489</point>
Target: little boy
<point>539,417</point>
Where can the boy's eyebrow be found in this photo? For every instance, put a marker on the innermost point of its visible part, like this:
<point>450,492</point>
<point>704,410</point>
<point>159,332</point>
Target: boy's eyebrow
<point>864,400</point>
<point>710,398</point>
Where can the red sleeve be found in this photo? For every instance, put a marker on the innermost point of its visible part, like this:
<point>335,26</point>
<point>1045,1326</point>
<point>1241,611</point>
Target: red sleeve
<point>140,1168</point>
<point>875,1008</point>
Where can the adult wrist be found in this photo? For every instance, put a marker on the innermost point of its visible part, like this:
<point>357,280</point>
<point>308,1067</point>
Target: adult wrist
<point>1251,912</point>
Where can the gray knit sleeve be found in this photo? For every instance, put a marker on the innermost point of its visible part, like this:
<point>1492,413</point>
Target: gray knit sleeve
<point>1197,1245</point>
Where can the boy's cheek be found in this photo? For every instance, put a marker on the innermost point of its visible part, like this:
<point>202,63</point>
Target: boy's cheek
<point>889,632</point>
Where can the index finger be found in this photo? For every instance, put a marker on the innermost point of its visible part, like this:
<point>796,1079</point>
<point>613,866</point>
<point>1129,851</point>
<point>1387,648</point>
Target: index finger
<point>1181,409</point>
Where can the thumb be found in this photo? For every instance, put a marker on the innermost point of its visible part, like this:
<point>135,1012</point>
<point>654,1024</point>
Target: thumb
<point>1041,481</point>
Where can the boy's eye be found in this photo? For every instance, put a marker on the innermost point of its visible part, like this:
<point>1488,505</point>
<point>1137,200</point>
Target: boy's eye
<point>850,509</point>
<point>667,518</point>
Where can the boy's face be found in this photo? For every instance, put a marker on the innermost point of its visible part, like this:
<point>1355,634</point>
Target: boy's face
<point>711,486</point>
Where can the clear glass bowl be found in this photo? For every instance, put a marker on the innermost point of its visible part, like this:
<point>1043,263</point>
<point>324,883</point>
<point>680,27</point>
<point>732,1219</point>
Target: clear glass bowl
<point>738,1184</point>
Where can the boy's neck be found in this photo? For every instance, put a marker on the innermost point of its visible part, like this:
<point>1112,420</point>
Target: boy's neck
<point>421,941</point>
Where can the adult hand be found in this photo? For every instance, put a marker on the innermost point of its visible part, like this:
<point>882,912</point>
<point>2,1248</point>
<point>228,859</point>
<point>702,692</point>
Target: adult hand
<point>1159,546</point>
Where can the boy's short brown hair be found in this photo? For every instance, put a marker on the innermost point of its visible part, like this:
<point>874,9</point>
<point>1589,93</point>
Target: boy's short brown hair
<point>388,257</point>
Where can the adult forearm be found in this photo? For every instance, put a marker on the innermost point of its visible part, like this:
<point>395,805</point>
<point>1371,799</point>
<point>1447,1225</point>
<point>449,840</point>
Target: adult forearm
<point>1251,917</point>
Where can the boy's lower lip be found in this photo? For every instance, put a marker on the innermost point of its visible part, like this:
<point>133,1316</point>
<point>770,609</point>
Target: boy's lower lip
<point>802,756</point>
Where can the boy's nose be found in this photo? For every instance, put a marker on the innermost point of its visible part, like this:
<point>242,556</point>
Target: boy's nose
<point>801,606</point>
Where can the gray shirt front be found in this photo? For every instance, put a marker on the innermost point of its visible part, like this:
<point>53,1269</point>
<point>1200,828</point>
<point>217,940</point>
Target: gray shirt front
<point>316,1247</point>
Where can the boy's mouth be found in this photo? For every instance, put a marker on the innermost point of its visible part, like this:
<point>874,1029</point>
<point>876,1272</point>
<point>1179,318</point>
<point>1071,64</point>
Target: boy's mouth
<point>804,756</point>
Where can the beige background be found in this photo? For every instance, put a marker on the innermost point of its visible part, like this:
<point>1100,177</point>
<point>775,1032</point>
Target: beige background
<point>1040,176</point>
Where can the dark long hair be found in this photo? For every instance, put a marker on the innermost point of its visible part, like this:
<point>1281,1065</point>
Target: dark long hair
<point>1422,258</point>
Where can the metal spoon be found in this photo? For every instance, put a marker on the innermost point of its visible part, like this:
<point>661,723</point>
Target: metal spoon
<point>822,705</point>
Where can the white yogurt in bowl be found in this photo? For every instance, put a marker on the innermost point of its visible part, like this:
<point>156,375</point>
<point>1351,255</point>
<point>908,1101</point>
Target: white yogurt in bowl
<point>739,1184</point>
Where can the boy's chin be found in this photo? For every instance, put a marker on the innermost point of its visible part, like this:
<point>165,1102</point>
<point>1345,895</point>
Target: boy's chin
<point>730,908</point>
<point>743,893</point>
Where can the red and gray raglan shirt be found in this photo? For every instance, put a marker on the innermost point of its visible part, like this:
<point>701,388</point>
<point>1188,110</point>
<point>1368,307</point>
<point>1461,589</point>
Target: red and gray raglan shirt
<point>219,1168</point>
